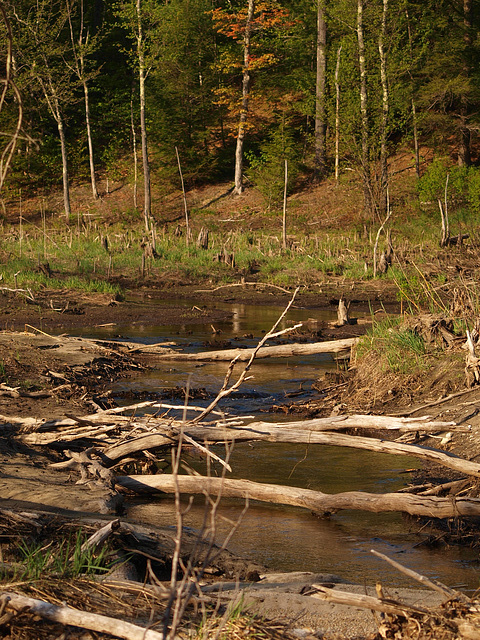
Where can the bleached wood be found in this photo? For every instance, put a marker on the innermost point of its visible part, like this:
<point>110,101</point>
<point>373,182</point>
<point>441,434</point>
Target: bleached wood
<point>280,351</point>
<point>315,501</point>
<point>83,619</point>
<point>264,431</point>
<point>366,602</point>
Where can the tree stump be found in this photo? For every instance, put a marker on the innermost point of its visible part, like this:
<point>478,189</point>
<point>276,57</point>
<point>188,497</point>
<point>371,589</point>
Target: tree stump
<point>202,240</point>
<point>342,313</point>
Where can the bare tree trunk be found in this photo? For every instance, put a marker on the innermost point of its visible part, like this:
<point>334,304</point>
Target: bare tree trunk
<point>445,239</point>
<point>143,126</point>
<point>414,109</point>
<point>337,115</point>
<point>320,124</point>
<point>9,85</point>
<point>415,139</point>
<point>385,107</point>
<point>79,57</point>
<point>187,224</point>
<point>63,146</point>
<point>135,159</point>
<point>90,142</point>
<point>367,196</point>
<point>245,95</point>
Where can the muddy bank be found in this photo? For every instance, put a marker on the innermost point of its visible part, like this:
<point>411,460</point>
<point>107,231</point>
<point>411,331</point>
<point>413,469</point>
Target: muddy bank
<point>65,310</point>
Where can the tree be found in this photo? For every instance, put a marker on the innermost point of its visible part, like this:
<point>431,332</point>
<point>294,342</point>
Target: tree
<point>385,109</point>
<point>320,112</point>
<point>8,86</point>
<point>367,187</point>
<point>43,53</point>
<point>140,19</point>
<point>449,88</point>
<point>147,210</point>
<point>82,46</point>
<point>245,95</point>
<point>266,20</point>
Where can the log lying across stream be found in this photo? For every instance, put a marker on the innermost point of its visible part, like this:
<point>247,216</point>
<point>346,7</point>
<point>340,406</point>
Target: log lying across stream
<point>278,351</point>
<point>117,437</point>
<point>318,502</point>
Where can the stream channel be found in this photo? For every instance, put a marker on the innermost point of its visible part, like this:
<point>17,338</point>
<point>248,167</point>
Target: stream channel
<point>281,537</point>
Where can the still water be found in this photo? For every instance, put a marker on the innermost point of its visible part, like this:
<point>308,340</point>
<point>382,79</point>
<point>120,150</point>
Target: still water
<point>289,538</point>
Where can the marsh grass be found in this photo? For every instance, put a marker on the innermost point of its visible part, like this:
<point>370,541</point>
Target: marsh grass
<point>67,559</point>
<point>92,257</point>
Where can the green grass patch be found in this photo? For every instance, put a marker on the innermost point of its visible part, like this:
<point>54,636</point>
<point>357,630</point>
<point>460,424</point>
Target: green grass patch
<point>68,559</point>
<point>397,350</point>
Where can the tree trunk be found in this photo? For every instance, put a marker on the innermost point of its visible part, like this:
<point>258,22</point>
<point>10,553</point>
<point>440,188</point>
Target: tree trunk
<point>385,107</point>
<point>320,124</point>
<point>367,195</point>
<point>415,139</point>
<point>135,158</point>
<point>337,115</point>
<point>63,146</point>
<point>414,108</point>
<point>245,95</point>
<point>281,351</point>
<point>79,60</point>
<point>147,210</point>
<point>90,142</point>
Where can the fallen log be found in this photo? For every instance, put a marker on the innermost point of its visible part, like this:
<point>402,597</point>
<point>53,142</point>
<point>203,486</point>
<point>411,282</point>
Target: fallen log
<point>263,431</point>
<point>74,617</point>
<point>280,351</point>
<point>390,606</point>
<point>359,421</point>
<point>316,501</point>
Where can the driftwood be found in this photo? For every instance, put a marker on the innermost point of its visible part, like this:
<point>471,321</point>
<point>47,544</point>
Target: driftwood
<point>433,584</point>
<point>74,617</point>
<point>18,392</point>
<point>280,351</point>
<point>456,618</point>
<point>392,607</point>
<point>107,423</point>
<point>284,434</point>
<point>316,501</point>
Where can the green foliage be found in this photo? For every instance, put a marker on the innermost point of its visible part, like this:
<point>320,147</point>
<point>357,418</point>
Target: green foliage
<point>267,169</point>
<point>463,186</point>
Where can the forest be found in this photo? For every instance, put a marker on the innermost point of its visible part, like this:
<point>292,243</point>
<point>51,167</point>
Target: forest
<point>240,91</point>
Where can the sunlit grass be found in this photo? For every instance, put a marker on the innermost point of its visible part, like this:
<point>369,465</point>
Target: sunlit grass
<point>396,348</point>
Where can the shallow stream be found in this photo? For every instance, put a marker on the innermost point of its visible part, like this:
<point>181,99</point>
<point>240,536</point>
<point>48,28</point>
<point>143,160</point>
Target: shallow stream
<point>289,538</point>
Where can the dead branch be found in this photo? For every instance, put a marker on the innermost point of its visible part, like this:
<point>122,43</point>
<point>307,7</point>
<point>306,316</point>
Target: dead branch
<point>428,582</point>
<point>348,598</point>
<point>82,619</point>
